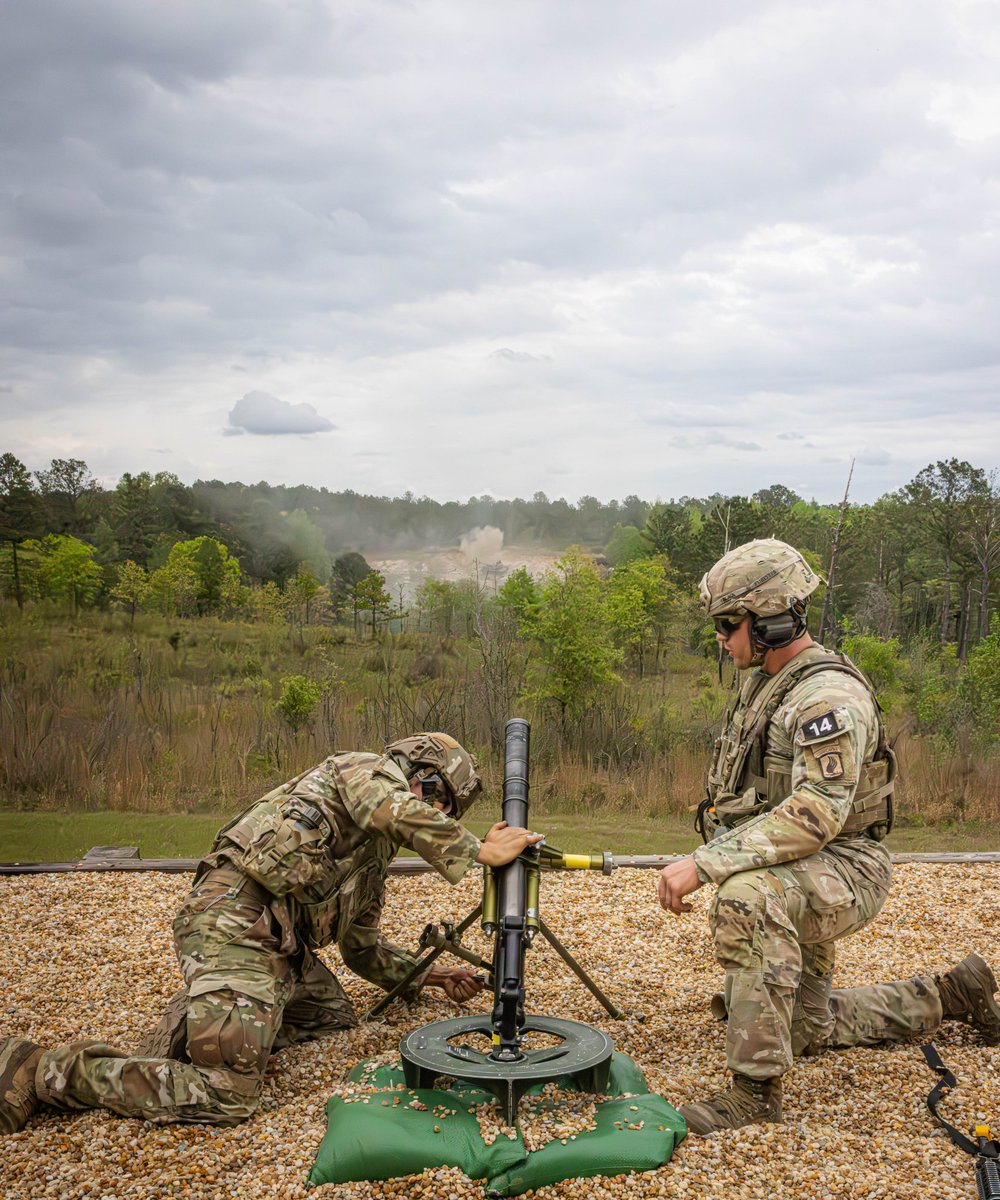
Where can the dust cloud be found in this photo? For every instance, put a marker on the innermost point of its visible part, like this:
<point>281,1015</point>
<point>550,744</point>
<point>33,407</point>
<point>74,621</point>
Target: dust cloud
<point>482,544</point>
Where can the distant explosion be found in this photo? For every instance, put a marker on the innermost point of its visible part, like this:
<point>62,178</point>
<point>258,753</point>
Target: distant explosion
<point>482,545</point>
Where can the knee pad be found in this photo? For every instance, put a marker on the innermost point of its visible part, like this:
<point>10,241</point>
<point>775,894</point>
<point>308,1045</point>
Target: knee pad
<point>229,1031</point>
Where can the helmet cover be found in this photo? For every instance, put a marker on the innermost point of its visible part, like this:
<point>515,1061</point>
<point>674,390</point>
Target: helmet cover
<point>440,752</point>
<point>764,577</point>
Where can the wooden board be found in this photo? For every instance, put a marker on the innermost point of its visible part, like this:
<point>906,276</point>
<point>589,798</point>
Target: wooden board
<point>95,860</point>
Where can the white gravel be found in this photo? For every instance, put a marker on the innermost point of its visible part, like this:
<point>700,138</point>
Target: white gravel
<point>89,955</point>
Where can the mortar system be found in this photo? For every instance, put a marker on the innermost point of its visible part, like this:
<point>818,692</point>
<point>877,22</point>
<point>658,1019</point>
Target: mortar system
<point>508,1051</point>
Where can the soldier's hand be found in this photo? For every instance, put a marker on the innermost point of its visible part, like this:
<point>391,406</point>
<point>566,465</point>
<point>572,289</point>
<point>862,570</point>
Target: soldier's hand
<point>458,983</point>
<point>504,843</point>
<point>677,881</point>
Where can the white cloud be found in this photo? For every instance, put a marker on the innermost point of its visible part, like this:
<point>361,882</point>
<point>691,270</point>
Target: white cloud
<point>505,354</point>
<point>259,412</point>
<point>551,237</point>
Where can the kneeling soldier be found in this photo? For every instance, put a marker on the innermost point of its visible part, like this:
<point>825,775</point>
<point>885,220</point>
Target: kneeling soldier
<point>800,797</point>
<point>300,869</point>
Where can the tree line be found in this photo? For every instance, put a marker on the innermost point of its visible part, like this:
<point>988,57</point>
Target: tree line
<point>919,562</point>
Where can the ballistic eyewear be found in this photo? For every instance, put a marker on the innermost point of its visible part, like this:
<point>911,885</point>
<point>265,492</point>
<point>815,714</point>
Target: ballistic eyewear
<point>728,625</point>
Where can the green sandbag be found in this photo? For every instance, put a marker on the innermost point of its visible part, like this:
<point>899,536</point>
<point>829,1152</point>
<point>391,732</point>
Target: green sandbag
<point>634,1133</point>
<point>368,1137</point>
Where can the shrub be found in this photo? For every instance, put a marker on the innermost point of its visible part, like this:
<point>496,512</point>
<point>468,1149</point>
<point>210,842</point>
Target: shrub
<point>298,701</point>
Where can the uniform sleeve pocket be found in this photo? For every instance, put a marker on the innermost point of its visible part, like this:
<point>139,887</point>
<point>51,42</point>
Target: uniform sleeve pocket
<point>823,738</point>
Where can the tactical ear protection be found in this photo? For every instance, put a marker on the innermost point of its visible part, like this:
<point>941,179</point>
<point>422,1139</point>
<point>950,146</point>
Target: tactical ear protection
<point>773,633</point>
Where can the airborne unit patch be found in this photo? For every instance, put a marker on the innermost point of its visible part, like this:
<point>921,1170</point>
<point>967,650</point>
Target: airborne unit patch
<point>831,764</point>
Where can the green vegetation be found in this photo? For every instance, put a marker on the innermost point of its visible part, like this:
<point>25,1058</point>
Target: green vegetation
<point>174,649</point>
<point>920,562</point>
<point>64,837</point>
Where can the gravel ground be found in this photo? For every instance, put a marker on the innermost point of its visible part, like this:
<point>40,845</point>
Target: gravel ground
<point>89,955</point>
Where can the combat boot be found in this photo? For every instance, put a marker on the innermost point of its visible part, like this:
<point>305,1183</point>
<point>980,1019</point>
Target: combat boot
<point>745,1102</point>
<point>968,994</point>
<point>18,1097</point>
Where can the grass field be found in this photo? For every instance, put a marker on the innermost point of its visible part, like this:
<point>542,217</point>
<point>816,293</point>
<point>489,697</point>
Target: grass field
<point>60,837</point>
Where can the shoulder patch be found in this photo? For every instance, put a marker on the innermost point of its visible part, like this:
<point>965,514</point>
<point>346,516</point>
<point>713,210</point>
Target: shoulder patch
<point>823,725</point>
<point>831,764</point>
<point>819,721</point>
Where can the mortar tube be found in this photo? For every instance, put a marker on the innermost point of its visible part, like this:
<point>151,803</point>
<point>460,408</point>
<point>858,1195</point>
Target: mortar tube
<point>508,1009</point>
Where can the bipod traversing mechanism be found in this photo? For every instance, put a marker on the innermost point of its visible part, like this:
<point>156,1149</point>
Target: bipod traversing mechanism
<point>504,1062</point>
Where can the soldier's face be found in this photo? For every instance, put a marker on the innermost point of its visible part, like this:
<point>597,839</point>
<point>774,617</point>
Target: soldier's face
<point>737,644</point>
<point>442,800</point>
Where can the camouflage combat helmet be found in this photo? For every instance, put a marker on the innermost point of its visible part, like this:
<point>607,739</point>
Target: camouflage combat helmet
<point>439,752</point>
<point>765,577</point>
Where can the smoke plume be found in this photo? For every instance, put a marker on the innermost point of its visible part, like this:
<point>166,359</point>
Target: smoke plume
<point>482,545</point>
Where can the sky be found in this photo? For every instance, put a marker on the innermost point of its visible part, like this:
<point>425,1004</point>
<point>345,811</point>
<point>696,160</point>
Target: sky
<point>458,247</point>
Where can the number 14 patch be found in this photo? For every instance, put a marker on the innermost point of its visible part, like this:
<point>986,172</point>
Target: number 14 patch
<point>819,728</point>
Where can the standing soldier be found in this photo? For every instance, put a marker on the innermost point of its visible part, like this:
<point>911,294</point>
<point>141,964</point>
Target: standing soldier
<point>799,801</point>
<point>300,869</point>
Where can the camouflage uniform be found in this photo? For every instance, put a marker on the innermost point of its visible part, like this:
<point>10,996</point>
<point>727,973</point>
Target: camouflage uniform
<point>300,869</point>
<point>799,783</point>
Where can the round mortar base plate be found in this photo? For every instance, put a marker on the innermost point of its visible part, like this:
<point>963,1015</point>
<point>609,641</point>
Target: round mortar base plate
<point>461,1047</point>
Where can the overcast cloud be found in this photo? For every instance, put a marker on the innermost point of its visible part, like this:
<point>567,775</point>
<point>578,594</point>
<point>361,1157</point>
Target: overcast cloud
<point>572,247</point>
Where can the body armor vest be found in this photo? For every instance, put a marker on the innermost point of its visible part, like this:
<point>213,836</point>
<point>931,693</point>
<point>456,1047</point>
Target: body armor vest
<point>307,853</point>
<point>747,779</point>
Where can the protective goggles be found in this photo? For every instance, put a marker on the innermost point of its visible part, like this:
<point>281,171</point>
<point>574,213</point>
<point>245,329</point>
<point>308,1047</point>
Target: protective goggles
<point>728,625</point>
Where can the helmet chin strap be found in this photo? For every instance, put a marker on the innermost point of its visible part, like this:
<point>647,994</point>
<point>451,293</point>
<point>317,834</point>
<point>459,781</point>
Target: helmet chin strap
<point>759,654</point>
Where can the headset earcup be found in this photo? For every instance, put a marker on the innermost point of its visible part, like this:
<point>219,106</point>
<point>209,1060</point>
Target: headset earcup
<point>777,631</point>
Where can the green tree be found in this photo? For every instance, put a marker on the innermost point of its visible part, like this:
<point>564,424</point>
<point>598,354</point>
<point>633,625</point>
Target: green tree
<point>267,603</point>
<point>216,575</point>
<point>673,530</point>
<point>638,601</point>
<point>439,599</point>
<point>627,544</point>
<point>573,633</point>
<point>978,694</point>
<point>305,596</point>
<point>880,660</point>
<point>19,513</point>
<point>67,569</point>
<point>371,597</point>
<point>942,495</point>
<point>347,572</point>
<point>982,538</point>
<point>131,589</point>
<point>173,589</point>
<point>64,488</point>
<point>520,596</point>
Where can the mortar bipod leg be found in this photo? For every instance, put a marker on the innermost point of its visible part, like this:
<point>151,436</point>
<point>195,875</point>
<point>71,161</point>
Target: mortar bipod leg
<point>578,971</point>
<point>418,967</point>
